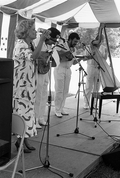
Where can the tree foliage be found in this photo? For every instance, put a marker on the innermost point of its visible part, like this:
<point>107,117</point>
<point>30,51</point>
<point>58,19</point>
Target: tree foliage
<point>113,35</point>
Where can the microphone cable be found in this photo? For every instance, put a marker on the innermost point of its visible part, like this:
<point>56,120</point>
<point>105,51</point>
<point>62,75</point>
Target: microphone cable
<point>40,152</point>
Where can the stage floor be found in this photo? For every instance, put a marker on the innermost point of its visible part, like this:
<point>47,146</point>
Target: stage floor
<point>75,153</point>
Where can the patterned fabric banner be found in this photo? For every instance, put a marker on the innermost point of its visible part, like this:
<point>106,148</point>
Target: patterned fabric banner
<point>1,18</point>
<point>11,35</point>
<point>7,37</point>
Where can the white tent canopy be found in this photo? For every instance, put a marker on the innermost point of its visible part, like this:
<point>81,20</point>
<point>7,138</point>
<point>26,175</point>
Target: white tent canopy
<point>88,13</point>
<point>84,13</point>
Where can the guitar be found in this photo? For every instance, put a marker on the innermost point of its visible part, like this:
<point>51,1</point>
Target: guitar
<point>65,56</point>
<point>43,62</point>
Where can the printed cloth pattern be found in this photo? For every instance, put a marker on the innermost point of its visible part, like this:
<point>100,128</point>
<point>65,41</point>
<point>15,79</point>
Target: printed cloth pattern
<point>24,85</point>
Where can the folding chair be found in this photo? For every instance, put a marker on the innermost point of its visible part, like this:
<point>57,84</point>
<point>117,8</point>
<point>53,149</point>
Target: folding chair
<point>18,128</point>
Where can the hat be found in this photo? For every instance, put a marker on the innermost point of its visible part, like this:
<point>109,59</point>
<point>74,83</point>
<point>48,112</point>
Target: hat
<point>54,33</point>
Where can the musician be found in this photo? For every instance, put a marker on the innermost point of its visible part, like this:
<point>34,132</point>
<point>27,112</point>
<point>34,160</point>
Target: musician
<point>24,83</point>
<point>62,73</point>
<point>93,73</point>
<point>43,78</point>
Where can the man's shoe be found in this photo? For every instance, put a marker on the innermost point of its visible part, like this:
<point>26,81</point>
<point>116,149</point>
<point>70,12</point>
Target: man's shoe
<point>41,121</point>
<point>95,108</point>
<point>86,107</point>
<point>64,113</point>
<point>59,115</point>
<point>38,126</point>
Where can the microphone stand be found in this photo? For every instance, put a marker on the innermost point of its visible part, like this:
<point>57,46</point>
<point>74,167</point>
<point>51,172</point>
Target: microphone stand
<point>99,67</point>
<point>46,163</point>
<point>76,131</point>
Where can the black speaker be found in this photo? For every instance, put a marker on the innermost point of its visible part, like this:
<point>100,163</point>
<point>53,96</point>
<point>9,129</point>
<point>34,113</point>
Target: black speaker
<point>6,92</point>
<point>112,159</point>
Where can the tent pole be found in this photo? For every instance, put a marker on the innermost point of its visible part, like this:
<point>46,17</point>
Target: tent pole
<point>8,8</point>
<point>111,64</point>
<point>64,27</point>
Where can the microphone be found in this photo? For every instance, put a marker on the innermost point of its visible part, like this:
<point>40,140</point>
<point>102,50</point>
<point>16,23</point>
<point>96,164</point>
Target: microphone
<point>83,69</point>
<point>85,72</point>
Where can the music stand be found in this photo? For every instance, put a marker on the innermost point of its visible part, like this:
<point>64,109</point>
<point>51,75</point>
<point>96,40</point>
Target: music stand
<point>76,131</point>
<point>46,164</point>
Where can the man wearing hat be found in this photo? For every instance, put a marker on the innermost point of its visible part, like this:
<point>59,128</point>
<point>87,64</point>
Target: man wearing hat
<point>43,77</point>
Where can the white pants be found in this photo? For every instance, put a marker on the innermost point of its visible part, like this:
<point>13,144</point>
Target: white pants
<point>62,78</point>
<point>41,95</point>
<point>92,83</point>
